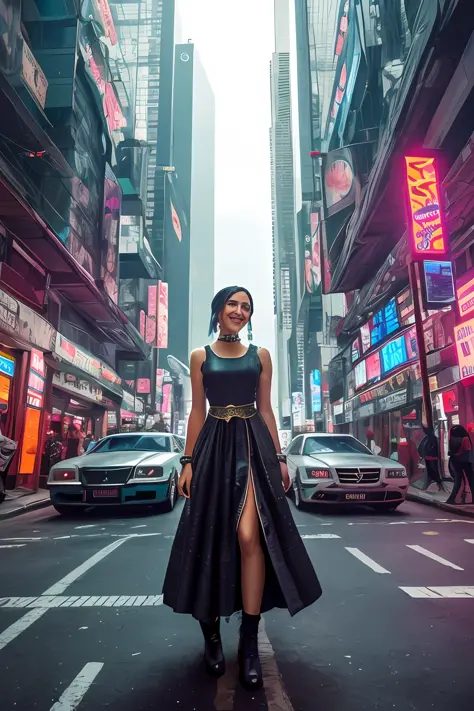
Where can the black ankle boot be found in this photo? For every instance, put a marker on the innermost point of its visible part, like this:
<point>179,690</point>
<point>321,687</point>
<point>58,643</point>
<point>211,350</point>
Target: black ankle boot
<point>250,670</point>
<point>213,654</point>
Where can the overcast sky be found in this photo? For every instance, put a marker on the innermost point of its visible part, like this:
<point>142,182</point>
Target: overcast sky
<point>235,43</point>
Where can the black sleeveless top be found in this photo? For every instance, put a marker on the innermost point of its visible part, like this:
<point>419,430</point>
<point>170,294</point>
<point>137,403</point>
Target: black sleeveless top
<point>231,381</point>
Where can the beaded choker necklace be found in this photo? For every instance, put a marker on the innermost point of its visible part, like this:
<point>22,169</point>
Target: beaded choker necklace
<point>229,338</point>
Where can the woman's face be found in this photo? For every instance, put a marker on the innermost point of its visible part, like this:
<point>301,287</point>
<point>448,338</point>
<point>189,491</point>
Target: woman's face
<point>236,313</point>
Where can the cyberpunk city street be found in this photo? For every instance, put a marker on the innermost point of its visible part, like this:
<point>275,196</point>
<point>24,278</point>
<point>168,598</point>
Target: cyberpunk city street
<point>393,629</point>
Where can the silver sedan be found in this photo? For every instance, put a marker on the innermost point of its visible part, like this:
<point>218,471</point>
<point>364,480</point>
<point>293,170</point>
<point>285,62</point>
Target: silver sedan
<point>338,469</point>
<point>137,468</point>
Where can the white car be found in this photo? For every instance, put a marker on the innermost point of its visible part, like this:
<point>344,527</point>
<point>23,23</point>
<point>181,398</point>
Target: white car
<point>139,468</point>
<point>338,469</point>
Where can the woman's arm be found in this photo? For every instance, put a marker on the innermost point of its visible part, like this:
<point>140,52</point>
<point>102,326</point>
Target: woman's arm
<point>197,415</point>
<point>264,400</point>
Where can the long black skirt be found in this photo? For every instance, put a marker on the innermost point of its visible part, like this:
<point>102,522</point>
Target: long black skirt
<point>203,575</point>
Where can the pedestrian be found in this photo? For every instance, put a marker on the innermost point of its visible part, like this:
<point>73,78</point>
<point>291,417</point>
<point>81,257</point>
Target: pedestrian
<point>237,546</point>
<point>428,449</point>
<point>460,466</point>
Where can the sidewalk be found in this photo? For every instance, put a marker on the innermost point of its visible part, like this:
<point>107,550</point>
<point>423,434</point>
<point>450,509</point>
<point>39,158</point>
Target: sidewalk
<point>433,497</point>
<point>21,501</point>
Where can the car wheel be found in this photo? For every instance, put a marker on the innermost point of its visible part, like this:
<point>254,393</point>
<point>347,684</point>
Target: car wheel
<point>297,495</point>
<point>69,510</point>
<point>168,505</point>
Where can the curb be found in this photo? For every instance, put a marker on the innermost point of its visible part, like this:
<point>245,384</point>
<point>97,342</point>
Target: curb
<point>439,505</point>
<point>33,506</point>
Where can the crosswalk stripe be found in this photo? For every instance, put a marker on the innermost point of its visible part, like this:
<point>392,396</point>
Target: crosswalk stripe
<point>433,556</point>
<point>60,601</point>
<point>75,692</point>
<point>313,536</point>
<point>444,591</point>
<point>357,553</point>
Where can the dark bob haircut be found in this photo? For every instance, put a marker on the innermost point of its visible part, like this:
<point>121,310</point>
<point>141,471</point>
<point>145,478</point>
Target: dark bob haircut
<point>220,300</point>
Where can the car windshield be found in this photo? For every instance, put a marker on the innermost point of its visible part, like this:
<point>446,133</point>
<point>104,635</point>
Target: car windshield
<point>134,443</point>
<point>334,445</point>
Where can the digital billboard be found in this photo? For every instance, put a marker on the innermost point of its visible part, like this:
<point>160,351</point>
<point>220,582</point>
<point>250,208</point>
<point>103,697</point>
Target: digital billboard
<point>428,238</point>
<point>163,315</point>
<point>394,354</point>
<point>355,350</point>
<point>316,403</point>
<point>312,257</point>
<point>438,284</point>
<point>365,337</point>
<point>384,322</point>
<point>360,375</point>
<point>372,367</point>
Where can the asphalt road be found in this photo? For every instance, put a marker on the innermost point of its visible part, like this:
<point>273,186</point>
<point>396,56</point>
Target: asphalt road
<point>82,624</point>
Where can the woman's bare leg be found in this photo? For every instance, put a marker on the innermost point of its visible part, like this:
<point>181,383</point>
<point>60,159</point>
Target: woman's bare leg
<point>252,557</point>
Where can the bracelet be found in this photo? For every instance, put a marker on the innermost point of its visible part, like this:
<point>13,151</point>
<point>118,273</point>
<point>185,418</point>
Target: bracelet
<point>185,460</point>
<point>281,457</point>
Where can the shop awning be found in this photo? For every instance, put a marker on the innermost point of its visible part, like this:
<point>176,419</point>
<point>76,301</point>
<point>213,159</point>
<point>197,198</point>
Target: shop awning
<point>70,358</point>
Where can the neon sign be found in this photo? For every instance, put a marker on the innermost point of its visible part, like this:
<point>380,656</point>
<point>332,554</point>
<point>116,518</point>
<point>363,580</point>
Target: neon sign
<point>464,337</point>
<point>425,218</point>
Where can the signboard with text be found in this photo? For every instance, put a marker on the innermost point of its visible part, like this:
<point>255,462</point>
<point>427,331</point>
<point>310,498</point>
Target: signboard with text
<point>425,219</point>
<point>465,293</point>
<point>464,337</point>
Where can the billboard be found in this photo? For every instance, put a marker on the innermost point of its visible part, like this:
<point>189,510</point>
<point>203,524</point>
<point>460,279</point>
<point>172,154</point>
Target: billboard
<point>425,220</point>
<point>110,234</point>
<point>162,341</point>
<point>464,337</point>
<point>150,321</point>
<point>465,293</point>
<point>316,403</point>
<point>297,409</point>
<point>312,256</point>
<point>438,283</point>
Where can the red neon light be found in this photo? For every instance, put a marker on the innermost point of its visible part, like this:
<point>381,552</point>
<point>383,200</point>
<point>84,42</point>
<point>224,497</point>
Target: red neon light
<point>426,224</point>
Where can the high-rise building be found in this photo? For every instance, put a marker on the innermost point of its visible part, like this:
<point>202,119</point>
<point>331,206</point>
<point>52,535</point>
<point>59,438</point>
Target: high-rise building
<point>283,207</point>
<point>189,220</point>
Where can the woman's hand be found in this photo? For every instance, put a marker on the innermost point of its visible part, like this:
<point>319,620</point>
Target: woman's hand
<point>184,483</point>
<point>285,477</point>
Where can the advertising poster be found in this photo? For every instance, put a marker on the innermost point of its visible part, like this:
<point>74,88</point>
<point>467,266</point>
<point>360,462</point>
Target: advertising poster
<point>316,403</point>
<point>425,218</point>
<point>464,337</point>
<point>163,315</point>
<point>438,284</point>
<point>360,375</point>
<point>365,337</point>
<point>150,321</point>
<point>166,404</point>
<point>110,234</point>
<point>312,257</point>
<point>394,354</point>
<point>372,366</point>
<point>297,409</point>
<point>465,293</point>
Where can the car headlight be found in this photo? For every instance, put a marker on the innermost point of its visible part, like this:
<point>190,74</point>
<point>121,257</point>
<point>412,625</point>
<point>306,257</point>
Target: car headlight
<point>318,473</point>
<point>396,474</point>
<point>63,475</point>
<point>148,473</point>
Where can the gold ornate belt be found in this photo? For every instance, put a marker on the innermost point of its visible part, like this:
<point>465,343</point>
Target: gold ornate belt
<point>227,412</point>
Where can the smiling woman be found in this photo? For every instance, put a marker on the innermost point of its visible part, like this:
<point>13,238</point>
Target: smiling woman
<point>236,546</point>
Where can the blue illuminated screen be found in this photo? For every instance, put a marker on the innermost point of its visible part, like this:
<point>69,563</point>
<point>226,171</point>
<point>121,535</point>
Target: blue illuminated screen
<point>394,354</point>
<point>384,322</point>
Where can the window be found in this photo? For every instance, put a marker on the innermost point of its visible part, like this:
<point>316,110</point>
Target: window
<point>135,443</point>
<point>334,445</point>
<point>178,445</point>
<point>295,446</point>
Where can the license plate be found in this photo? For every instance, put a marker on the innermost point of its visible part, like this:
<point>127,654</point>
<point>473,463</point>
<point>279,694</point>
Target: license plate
<point>355,497</point>
<point>104,493</point>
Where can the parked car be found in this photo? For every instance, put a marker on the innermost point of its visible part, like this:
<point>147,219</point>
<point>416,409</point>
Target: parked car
<point>338,469</point>
<point>138,468</point>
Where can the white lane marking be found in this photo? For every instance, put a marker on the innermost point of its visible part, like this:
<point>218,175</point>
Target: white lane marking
<point>75,692</point>
<point>443,591</point>
<point>225,691</point>
<point>277,698</point>
<point>142,525</point>
<point>312,536</point>
<point>357,553</point>
<point>61,538</point>
<point>20,626</point>
<point>14,545</point>
<point>469,540</point>
<point>53,601</point>
<point>22,539</point>
<point>71,577</point>
<point>433,556</point>
<point>89,525</point>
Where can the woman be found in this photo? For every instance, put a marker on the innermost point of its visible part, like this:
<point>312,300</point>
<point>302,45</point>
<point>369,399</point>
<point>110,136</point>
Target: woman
<point>237,546</point>
<point>460,452</point>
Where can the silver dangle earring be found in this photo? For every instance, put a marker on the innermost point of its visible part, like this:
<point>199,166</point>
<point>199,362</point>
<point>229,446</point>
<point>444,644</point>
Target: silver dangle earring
<point>249,331</point>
